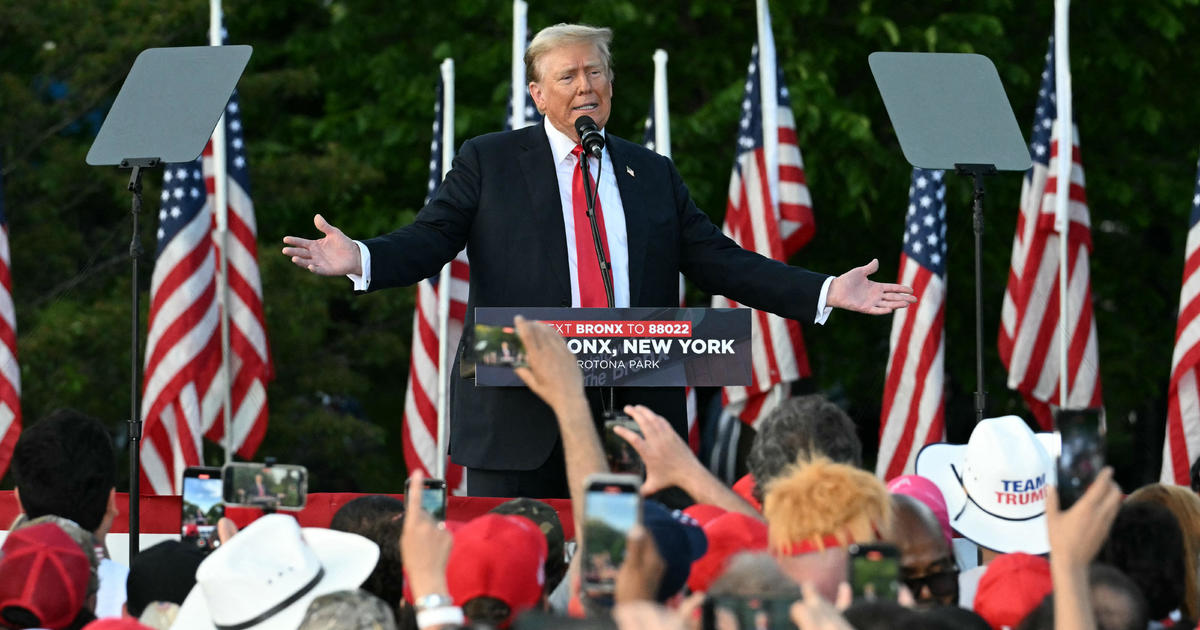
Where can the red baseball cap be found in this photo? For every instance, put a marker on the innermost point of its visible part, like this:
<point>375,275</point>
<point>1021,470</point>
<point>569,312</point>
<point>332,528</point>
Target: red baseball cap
<point>744,488</point>
<point>1013,585</point>
<point>498,556</point>
<point>44,571</point>
<point>728,534</point>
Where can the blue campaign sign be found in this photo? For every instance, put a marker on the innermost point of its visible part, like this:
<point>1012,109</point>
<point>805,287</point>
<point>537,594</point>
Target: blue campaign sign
<point>622,347</point>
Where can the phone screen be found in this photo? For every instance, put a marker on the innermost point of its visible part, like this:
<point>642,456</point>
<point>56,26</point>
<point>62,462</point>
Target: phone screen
<point>279,486</point>
<point>497,346</point>
<point>433,498</point>
<point>1082,454</point>
<point>875,571</point>
<point>610,510</point>
<point>202,507</point>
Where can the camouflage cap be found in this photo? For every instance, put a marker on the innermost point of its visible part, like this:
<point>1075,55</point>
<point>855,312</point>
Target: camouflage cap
<point>348,610</point>
<point>546,520</point>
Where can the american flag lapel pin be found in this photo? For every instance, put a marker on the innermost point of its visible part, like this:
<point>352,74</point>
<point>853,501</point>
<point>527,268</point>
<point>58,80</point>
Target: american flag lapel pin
<point>630,171</point>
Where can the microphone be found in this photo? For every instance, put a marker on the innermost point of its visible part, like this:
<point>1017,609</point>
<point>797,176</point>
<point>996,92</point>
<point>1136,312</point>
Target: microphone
<point>589,136</point>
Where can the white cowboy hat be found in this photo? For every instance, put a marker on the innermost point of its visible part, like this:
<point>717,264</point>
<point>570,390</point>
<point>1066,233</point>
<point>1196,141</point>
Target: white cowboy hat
<point>995,484</point>
<point>265,577</point>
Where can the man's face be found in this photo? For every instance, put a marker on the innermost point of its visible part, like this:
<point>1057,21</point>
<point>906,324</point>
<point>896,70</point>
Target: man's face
<point>928,566</point>
<point>573,82</point>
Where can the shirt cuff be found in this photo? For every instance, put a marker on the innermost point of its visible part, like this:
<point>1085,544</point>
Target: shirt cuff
<point>823,311</point>
<point>363,282</point>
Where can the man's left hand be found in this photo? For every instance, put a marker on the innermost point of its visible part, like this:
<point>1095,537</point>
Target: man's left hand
<point>854,292</point>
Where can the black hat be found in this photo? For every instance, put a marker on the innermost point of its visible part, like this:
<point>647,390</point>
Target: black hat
<point>165,572</point>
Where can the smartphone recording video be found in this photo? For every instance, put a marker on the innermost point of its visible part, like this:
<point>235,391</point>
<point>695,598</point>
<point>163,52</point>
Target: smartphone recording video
<point>875,571</point>
<point>612,506</point>
<point>495,346</point>
<point>622,458</point>
<point>1082,454</point>
<point>202,506</point>
<point>270,487</point>
<point>433,497</point>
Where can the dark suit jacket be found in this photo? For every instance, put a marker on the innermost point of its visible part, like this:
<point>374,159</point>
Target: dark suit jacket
<point>501,201</point>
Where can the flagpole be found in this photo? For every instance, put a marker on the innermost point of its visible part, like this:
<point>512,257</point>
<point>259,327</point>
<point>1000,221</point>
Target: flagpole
<point>1062,198</point>
<point>662,116</point>
<point>520,31</point>
<point>443,303</point>
<point>221,203</point>
<point>770,102</point>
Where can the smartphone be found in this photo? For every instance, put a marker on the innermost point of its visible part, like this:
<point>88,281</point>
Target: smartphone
<point>874,571</point>
<point>433,497</point>
<point>271,487</point>
<point>612,505</point>
<point>202,506</point>
<point>495,346</point>
<point>1082,454</point>
<point>728,612</point>
<point>622,458</point>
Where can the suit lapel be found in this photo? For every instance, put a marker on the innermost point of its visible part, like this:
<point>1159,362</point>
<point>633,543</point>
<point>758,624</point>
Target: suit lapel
<point>633,195</point>
<point>541,180</point>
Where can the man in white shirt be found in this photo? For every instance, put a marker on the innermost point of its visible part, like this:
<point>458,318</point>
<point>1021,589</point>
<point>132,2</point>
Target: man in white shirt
<point>515,200</point>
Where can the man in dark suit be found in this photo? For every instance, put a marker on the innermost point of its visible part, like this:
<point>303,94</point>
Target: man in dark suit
<point>515,201</point>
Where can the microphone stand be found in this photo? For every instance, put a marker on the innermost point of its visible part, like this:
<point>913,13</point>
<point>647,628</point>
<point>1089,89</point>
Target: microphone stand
<point>590,197</point>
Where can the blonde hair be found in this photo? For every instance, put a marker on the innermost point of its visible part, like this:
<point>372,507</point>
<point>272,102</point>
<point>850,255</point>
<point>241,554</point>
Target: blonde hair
<point>560,35</point>
<point>817,499</point>
<point>1185,505</point>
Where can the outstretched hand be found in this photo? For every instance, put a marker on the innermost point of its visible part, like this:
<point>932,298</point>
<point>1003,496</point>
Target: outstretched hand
<point>333,255</point>
<point>854,292</point>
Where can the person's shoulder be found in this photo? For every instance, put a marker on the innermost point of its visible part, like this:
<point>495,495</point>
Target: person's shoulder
<point>504,140</point>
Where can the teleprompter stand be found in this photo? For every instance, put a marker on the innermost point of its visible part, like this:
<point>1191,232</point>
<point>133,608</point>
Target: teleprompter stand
<point>950,112</point>
<point>165,112</point>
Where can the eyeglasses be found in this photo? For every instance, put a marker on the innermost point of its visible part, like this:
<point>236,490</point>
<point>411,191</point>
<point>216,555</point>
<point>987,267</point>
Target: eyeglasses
<point>941,583</point>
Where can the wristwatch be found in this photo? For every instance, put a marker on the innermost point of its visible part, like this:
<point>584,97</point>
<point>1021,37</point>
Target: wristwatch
<point>433,601</point>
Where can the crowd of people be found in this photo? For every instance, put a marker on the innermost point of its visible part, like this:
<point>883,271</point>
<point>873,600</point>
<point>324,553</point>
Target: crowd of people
<point>980,541</point>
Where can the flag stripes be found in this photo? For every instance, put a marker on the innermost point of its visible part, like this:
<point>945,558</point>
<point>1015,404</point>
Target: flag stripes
<point>1181,444</point>
<point>1029,334</point>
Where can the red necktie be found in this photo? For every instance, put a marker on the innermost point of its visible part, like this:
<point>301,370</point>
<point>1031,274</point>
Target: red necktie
<point>591,283</point>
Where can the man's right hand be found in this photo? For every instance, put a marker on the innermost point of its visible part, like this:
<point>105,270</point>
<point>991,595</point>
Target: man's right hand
<point>334,255</point>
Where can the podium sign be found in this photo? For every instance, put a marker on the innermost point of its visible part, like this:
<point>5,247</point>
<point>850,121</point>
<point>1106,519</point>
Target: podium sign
<point>639,347</point>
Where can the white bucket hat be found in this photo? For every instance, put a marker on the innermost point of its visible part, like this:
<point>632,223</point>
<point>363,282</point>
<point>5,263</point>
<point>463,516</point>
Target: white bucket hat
<point>265,577</point>
<point>995,485</point>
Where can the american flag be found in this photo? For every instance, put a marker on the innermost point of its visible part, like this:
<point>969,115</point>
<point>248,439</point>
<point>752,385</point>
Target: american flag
<point>10,371</point>
<point>913,392</point>
<point>693,425</point>
<point>250,355</point>
<point>773,228</point>
<point>1029,319</point>
<point>420,405</point>
<point>183,347</point>
<point>532,115</point>
<point>184,383</point>
<point>1182,442</point>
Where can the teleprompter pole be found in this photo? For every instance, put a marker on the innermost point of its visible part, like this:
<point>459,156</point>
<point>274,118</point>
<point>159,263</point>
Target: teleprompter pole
<point>977,172</point>
<point>135,366</point>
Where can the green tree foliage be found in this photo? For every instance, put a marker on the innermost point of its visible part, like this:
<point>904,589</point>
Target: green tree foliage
<point>337,104</point>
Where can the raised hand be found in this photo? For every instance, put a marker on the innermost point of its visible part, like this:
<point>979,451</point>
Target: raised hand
<point>854,292</point>
<point>666,455</point>
<point>333,255</point>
